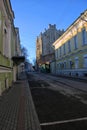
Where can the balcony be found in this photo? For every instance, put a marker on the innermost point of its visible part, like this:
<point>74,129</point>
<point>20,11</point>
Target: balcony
<point>18,59</point>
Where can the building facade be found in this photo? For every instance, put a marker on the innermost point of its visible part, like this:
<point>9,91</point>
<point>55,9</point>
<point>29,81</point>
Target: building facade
<point>6,21</point>
<point>8,45</point>
<point>44,49</point>
<point>71,49</point>
<point>16,53</point>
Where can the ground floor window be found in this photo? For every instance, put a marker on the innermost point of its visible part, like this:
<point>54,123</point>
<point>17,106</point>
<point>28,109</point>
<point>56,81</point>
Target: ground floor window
<point>85,61</point>
<point>64,64</point>
<point>76,63</point>
<point>70,64</point>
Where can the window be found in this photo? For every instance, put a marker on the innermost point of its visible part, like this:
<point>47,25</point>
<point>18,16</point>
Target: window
<point>60,51</point>
<point>75,42</point>
<point>56,53</point>
<point>84,40</point>
<point>76,63</point>
<point>85,61</point>
<point>5,43</point>
<point>59,67</point>
<point>6,40</point>
<point>64,49</point>
<point>69,46</point>
<point>64,64</point>
<point>70,64</point>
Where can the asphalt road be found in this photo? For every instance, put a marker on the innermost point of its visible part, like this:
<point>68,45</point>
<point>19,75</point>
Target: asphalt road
<point>60,105</point>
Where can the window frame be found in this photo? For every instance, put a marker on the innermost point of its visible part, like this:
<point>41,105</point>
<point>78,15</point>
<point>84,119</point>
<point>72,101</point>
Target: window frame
<point>84,38</point>
<point>75,42</point>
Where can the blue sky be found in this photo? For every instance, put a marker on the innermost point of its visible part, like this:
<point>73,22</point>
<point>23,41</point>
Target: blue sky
<point>33,16</point>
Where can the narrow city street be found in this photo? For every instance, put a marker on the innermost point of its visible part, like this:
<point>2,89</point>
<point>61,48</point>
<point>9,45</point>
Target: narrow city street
<point>43,65</point>
<point>61,104</point>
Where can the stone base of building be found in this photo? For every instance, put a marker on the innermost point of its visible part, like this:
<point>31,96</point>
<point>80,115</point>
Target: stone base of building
<point>73,72</point>
<point>5,81</point>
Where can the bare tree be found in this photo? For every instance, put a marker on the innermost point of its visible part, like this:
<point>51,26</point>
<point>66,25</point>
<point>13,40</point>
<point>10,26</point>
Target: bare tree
<point>24,51</point>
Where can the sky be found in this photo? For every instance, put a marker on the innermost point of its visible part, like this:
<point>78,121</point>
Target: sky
<point>33,16</point>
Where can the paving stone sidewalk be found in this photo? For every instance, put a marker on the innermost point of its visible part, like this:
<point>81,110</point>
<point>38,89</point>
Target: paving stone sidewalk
<point>17,111</point>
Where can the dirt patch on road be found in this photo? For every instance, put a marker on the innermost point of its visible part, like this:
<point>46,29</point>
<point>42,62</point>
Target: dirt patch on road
<point>53,106</point>
<point>39,84</point>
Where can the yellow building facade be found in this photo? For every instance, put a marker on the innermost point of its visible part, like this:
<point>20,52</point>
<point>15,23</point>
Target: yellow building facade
<point>71,49</point>
<point>9,45</point>
<point>6,23</point>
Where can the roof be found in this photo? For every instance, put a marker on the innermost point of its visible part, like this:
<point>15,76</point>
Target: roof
<point>82,14</point>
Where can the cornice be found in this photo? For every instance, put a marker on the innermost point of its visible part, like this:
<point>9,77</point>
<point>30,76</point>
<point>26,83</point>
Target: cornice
<point>72,30</point>
<point>8,9</point>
